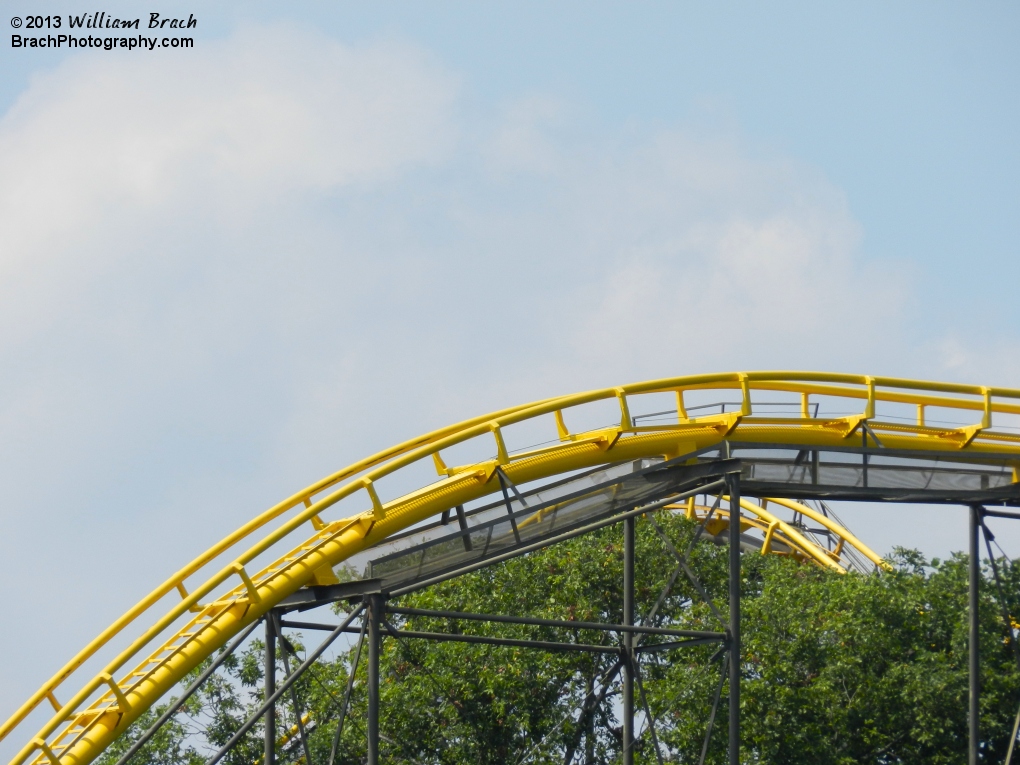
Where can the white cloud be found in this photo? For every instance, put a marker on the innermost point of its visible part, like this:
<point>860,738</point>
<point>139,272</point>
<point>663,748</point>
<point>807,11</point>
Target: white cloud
<point>154,272</point>
<point>676,252</point>
<point>991,358</point>
<point>105,157</point>
<point>521,140</point>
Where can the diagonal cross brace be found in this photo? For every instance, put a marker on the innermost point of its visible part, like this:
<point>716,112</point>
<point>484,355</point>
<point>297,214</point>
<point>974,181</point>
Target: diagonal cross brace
<point>504,482</point>
<point>682,560</point>
<point>676,571</point>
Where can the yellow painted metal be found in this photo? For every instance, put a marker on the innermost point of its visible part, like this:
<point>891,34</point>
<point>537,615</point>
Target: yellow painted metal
<point>295,729</point>
<point>840,531</point>
<point>793,536</point>
<point>233,597</point>
<point>774,527</point>
<point>289,736</point>
<point>720,522</point>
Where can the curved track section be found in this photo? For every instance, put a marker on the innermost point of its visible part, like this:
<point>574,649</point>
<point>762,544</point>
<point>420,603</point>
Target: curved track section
<point>780,537</point>
<point>294,543</point>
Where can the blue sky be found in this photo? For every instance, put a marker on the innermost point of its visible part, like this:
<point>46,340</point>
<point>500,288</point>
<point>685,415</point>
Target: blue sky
<point>909,109</point>
<point>229,270</point>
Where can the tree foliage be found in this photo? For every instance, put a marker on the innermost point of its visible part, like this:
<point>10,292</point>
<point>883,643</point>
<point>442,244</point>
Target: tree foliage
<point>836,669</point>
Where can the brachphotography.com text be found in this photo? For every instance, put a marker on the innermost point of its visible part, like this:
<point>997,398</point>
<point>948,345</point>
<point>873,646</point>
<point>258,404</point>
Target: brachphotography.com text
<point>101,30</point>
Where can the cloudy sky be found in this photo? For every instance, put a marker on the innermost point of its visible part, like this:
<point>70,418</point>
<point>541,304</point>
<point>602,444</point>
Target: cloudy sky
<point>227,271</point>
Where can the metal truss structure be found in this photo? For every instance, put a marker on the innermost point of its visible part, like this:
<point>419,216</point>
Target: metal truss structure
<point>784,438</point>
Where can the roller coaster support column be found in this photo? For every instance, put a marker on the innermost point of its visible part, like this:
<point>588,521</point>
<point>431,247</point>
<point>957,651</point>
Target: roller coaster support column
<point>269,757</point>
<point>733,485</point>
<point>974,565</point>
<point>628,641</point>
<point>376,613</point>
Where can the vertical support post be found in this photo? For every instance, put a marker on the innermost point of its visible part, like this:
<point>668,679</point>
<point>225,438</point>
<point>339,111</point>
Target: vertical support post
<point>974,571</point>
<point>864,455</point>
<point>733,481</point>
<point>375,616</point>
<point>589,733</point>
<point>628,641</point>
<point>269,754</point>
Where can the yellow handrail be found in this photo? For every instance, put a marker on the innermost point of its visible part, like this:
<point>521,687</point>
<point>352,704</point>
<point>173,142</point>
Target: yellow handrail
<point>832,526</point>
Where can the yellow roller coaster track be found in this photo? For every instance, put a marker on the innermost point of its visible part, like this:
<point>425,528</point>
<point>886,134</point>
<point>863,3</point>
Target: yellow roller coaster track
<point>232,596</point>
<point>775,531</point>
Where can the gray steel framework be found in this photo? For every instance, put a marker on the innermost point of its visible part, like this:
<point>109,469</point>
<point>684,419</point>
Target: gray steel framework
<point>710,471</point>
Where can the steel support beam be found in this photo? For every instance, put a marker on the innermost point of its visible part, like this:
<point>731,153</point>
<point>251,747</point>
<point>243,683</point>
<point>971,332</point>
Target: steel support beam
<point>628,641</point>
<point>463,525</point>
<point>733,482</point>
<point>974,571</point>
<point>287,649</point>
<point>503,481</point>
<point>572,625</point>
<point>375,616</point>
<point>659,647</point>
<point>282,688</point>
<point>321,595</point>
<point>269,754</point>
<point>538,545</point>
<point>711,717</point>
<point>347,694</point>
<point>1000,514</point>
<point>175,707</point>
<point>540,645</point>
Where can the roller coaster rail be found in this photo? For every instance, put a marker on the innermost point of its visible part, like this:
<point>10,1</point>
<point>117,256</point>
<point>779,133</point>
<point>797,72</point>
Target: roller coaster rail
<point>828,436</point>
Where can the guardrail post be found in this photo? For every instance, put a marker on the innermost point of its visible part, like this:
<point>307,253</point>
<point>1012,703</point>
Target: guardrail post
<point>628,641</point>
<point>733,479</point>
<point>269,755</point>
<point>974,583</point>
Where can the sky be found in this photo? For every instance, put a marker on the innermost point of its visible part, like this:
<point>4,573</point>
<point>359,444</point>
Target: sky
<point>226,271</point>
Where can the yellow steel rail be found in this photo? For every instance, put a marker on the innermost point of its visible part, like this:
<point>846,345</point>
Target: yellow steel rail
<point>776,529</point>
<point>103,706</point>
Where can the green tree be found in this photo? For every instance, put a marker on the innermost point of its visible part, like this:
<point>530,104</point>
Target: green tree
<point>837,668</point>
